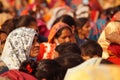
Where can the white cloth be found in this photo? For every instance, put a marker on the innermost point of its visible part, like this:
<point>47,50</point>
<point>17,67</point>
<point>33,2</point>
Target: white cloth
<point>17,47</point>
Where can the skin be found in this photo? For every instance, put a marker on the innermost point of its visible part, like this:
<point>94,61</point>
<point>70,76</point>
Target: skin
<point>3,37</point>
<point>84,31</point>
<point>64,37</point>
<point>35,48</point>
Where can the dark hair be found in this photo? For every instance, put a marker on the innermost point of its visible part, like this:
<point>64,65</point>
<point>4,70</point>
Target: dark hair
<point>28,66</point>
<point>81,22</point>
<point>9,25</point>
<point>66,19</point>
<point>1,7</point>
<point>49,69</point>
<point>67,47</point>
<point>60,31</point>
<point>2,31</point>
<point>91,48</point>
<point>105,61</point>
<point>69,60</point>
<point>25,20</point>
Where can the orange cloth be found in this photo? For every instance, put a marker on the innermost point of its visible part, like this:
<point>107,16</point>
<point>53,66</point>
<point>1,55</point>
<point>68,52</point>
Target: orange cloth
<point>55,29</point>
<point>47,48</point>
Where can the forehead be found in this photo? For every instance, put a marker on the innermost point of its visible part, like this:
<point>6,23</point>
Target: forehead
<point>66,32</point>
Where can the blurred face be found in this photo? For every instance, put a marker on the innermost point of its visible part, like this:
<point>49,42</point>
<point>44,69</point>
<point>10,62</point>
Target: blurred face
<point>3,37</point>
<point>85,30</point>
<point>35,48</point>
<point>64,37</point>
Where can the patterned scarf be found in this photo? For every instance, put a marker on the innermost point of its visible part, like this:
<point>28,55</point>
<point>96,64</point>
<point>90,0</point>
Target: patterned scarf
<point>17,47</point>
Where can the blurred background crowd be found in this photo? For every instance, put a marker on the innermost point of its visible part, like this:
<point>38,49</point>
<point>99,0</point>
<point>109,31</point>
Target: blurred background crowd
<point>59,39</point>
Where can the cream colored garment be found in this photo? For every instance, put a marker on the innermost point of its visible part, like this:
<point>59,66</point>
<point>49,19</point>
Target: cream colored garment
<point>101,72</point>
<point>110,28</point>
<point>84,66</point>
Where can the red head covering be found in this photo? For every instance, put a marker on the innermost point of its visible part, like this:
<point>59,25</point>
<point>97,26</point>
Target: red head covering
<point>115,49</point>
<point>42,28</point>
<point>55,29</point>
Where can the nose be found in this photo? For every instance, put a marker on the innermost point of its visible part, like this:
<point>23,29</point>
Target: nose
<point>37,44</point>
<point>68,39</point>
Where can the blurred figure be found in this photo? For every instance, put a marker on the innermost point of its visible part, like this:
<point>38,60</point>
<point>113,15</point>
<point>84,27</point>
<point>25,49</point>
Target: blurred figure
<point>21,44</point>
<point>60,33</point>
<point>49,70</point>
<point>82,30</point>
<point>67,47</point>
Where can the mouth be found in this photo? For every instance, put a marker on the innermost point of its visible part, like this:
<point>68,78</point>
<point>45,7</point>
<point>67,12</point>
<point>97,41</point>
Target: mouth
<point>36,50</point>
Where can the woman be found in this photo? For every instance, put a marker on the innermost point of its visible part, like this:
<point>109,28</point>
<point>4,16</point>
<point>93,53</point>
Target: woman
<point>59,33</point>
<point>69,20</point>
<point>83,30</point>
<point>21,44</point>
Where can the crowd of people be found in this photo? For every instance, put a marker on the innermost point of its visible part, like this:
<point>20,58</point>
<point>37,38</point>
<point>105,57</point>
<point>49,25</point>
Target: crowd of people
<point>59,40</point>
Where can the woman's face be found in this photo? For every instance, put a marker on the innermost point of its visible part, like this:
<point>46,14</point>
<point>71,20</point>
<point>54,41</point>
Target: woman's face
<point>35,48</point>
<point>65,36</point>
<point>3,37</point>
<point>85,30</point>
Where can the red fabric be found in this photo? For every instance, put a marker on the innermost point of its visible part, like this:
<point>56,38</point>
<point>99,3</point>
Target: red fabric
<point>115,49</point>
<point>42,28</point>
<point>46,51</point>
<point>114,60</point>
<point>17,75</point>
<point>94,15</point>
<point>42,50</point>
<point>94,5</point>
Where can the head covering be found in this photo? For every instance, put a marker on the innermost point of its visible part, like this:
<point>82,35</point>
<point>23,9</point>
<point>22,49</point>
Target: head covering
<point>55,29</point>
<point>115,49</point>
<point>42,28</point>
<point>17,47</point>
<point>17,75</point>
